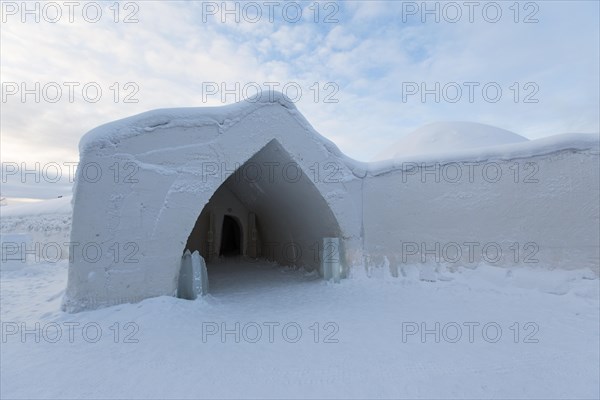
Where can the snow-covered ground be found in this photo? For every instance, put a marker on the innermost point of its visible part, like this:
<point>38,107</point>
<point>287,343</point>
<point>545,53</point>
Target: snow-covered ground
<point>266,331</point>
<point>46,224</point>
<point>271,332</point>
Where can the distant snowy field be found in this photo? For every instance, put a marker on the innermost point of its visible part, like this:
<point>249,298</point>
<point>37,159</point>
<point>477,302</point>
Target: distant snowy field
<point>272,332</point>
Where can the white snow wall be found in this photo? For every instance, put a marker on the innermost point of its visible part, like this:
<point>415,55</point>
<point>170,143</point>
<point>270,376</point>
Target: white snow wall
<point>531,210</point>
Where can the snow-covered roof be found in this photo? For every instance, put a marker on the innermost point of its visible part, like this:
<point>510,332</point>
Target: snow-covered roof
<point>533,148</point>
<point>223,116</point>
<point>471,142</point>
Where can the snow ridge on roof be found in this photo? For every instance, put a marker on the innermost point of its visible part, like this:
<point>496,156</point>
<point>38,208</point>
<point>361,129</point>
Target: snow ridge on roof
<point>223,116</point>
<point>574,142</point>
<point>109,134</point>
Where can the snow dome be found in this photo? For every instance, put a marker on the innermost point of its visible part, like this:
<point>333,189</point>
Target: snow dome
<point>444,137</point>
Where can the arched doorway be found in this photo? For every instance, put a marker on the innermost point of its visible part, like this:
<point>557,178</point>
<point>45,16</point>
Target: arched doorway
<point>231,237</point>
<point>268,209</point>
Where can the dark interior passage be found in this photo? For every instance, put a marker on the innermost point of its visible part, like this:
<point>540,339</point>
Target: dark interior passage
<point>269,209</point>
<point>230,237</point>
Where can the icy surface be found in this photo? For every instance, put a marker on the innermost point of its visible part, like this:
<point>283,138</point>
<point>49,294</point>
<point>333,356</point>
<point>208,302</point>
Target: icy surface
<point>193,278</point>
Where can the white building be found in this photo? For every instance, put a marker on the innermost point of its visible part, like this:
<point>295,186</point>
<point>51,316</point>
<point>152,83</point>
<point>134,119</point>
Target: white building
<point>255,180</point>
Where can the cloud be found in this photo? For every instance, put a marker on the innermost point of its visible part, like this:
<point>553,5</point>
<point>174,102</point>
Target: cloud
<point>364,61</point>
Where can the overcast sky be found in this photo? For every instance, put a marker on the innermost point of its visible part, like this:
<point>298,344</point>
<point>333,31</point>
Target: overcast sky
<point>360,66</point>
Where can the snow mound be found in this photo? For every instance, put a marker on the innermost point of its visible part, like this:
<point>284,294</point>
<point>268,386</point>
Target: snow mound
<point>444,137</point>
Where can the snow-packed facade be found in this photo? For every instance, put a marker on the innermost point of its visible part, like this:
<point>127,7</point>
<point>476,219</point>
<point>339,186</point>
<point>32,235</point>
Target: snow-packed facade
<point>255,180</point>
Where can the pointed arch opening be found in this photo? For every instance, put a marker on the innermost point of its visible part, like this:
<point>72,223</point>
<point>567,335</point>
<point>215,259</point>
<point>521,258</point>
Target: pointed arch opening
<point>267,209</point>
